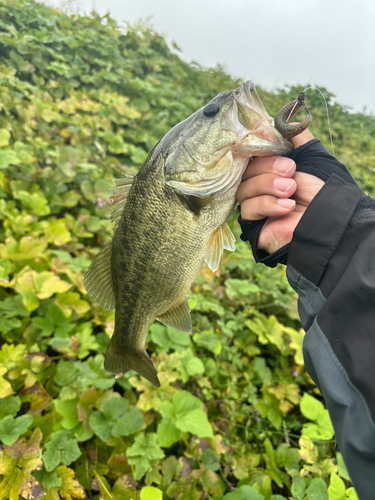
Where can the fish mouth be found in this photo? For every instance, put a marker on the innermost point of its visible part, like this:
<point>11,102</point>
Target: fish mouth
<point>258,136</point>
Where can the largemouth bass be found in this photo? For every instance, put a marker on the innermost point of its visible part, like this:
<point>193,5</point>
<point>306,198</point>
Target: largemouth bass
<point>171,218</point>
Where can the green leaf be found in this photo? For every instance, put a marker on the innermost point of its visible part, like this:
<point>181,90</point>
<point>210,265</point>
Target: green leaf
<point>115,408</point>
<point>8,157</point>
<point>325,424</point>
<point>342,470</point>
<point>298,488</point>
<point>287,457</point>
<point>195,422</point>
<point>9,406</point>
<point>167,431</point>
<point>143,453</point>
<point>100,425</point>
<point>68,409</point>
<point>194,366</point>
<point>45,324</point>
<point>114,420</point>
<point>211,460</point>
<point>310,407</point>
<point>48,479</point>
<point>60,450</point>
<point>129,423</point>
<point>317,490</point>
<point>336,488</point>
<point>184,402</point>
<point>151,493</point>
<point>167,338</point>
<point>238,287</point>
<point>209,341</point>
<point>244,492</point>
<point>350,494</point>
<point>185,413</point>
<point>12,428</point>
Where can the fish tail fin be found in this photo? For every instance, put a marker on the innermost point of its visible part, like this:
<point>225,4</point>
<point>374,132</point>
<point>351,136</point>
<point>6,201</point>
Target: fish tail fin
<point>117,361</point>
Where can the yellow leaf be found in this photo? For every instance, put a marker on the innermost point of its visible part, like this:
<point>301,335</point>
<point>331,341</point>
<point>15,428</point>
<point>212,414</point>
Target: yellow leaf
<point>70,488</point>
<point>4,137</point>
<point>53,284</point>
<point>5,387</point>
<point>65,132</point>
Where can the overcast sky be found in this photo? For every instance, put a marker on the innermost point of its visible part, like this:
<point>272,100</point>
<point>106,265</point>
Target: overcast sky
<point>272,42</point>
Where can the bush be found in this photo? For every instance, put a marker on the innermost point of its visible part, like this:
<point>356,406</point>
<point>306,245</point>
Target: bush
<point>80,103</point>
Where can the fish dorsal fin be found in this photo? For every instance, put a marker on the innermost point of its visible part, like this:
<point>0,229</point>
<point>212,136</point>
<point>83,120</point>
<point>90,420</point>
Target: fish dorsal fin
<point>120,196</point>
<point>98,279</point>
<point>220,239</point>
<point>178,317</point>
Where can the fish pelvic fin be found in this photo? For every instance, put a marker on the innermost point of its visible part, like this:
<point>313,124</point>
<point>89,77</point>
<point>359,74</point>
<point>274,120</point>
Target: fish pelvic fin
<point>220,239</point>
<point>117,361</point>
<point>178,317</point>
<point>98,279</point>
<point>229,241</point>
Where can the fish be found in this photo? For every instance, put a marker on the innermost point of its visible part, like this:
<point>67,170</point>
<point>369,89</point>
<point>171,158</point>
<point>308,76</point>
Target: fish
<point>171,217</point>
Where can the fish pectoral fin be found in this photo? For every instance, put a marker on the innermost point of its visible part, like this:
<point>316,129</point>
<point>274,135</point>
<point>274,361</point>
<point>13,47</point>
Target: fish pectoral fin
<point>220,239</point>
<point>177,317</point>
<point>193,203</point>
<point>118,361</point>
<point>98,279</point>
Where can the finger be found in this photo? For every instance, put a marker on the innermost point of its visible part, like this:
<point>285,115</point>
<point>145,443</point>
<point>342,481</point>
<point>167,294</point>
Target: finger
<point>266,206</point>
<point>266,184</point>
<point>301,139</point>
<point>279,165</point>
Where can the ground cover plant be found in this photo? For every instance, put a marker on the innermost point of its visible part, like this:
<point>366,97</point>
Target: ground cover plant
<point>236,416</point>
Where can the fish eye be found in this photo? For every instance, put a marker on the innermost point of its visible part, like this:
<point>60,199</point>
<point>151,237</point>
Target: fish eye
<point>211,110</point>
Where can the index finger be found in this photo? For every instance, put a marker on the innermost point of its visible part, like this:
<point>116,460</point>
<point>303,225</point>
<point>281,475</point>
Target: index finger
<point>301,139</point>
<point>270,164</point>
<point>285,167</point>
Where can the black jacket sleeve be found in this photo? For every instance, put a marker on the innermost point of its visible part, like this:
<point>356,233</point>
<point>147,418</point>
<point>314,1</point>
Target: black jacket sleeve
<point>331,265</point>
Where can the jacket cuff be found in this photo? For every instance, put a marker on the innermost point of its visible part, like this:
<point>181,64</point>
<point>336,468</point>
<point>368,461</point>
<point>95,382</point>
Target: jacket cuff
<point>322,226</point>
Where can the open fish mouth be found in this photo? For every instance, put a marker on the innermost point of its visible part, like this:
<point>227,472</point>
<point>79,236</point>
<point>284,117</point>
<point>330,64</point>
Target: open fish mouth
<point>254,126</point>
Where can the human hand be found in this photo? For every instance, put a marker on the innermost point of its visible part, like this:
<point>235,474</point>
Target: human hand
<point>272,188</point>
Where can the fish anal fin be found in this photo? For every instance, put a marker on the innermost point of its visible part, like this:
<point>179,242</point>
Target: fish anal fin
<point>118,361</point>
<point>98,279</point>
<point>120,196</point>
<point>178,317</point>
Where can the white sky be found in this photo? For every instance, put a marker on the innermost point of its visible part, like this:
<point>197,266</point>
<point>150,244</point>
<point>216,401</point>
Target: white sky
<point>272,42</point>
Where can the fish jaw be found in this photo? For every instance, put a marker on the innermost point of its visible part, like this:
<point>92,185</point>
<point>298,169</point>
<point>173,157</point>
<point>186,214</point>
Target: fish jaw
<point>263,141</point>
<point>254,126</point>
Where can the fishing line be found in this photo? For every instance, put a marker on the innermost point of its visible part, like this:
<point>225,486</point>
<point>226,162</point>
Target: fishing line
<point>291,112</point>
<point>308,87</point>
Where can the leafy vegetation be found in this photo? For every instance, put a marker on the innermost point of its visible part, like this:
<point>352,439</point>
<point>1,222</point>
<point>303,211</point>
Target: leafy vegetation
<point>236,416</point>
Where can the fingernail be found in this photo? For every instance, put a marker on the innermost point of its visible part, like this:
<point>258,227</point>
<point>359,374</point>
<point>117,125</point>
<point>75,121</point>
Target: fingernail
<point>283,165</point>
<point>286,203</point>
<point>283,184</point>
